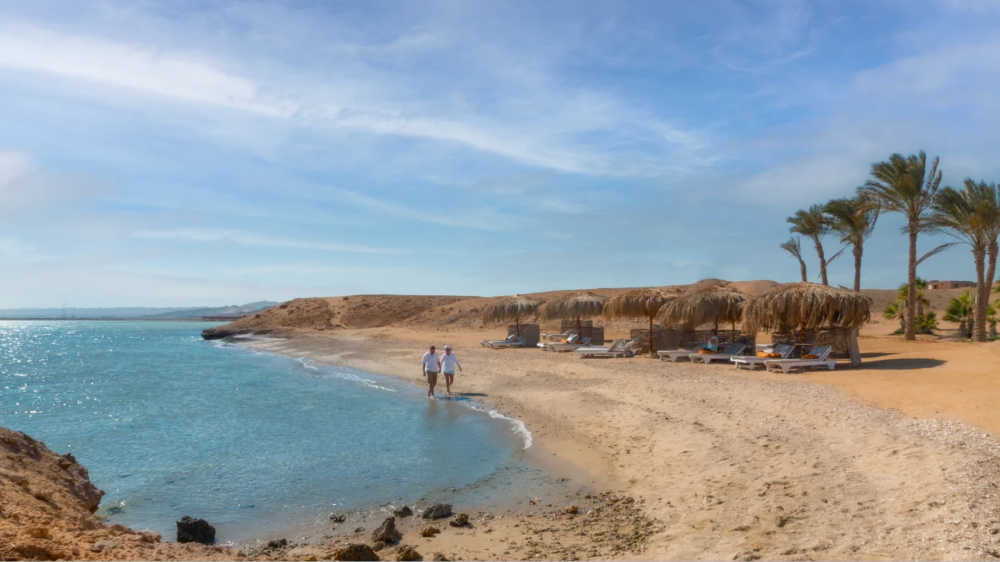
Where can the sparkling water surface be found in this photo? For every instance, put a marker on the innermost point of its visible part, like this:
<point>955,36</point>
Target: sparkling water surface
<point>171,425</point>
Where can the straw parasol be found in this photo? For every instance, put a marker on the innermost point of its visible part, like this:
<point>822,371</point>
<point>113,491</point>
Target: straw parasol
<point>712,305</point>
<point>577,305</point>
<point>806,306</point>
<point>638,303</point>
<point>511,308</point>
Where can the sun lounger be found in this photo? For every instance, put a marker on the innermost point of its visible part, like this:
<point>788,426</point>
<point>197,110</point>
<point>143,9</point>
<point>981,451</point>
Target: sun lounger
<point>676,354</point>
<point>616,349</point>
<point>734,350</point>
<point>511,341</point>
<point>563,337</point>
<point>572,339</point>
<point>559,347</point>
<point>822,354</point>
<point>752,362</point>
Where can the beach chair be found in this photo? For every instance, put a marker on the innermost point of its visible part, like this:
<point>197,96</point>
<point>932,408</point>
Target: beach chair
<point>616,348</point>
<point>511,341</point>
<point>560,347</point>
<point>563,337</point>
<point>674,355</point>
<point>734,350</point>
<point>752,362</point>
<point>822,354</point>
<point>571,339</point>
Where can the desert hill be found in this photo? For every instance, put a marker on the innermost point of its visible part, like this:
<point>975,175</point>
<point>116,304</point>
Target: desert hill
<point>465,312</point>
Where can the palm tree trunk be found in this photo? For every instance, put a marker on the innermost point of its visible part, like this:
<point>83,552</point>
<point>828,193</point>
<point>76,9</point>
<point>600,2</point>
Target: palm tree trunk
<point>911,284</point>
<point>822,261</point>
<point>652,352</point>
<point>858,250</point>
<point>802,269</point>
<point>982,295</point>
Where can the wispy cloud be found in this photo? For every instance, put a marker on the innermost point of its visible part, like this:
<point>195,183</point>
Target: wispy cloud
<point>249,239</point>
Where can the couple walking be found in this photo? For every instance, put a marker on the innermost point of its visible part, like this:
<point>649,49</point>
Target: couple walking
<point>432,364</point>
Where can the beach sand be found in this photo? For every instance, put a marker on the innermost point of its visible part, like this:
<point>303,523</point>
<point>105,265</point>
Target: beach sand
<point>897,459</point>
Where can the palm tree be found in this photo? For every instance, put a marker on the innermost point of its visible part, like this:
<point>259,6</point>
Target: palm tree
<point>794,246</point>
<point>896,310</point>
<point>903,184</point>
<point>956,212</point>
<point>988,213</point>
<point>959,310</point>
<point>921,300</point>
<point>812,223</point>
<point>854,224</point>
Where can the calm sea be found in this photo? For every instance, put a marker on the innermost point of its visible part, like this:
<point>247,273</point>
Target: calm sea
<point>171,425</point>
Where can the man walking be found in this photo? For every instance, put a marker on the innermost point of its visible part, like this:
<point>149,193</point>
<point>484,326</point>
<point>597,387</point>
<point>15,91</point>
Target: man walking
<point>448,363</point>
<point>431,364</point>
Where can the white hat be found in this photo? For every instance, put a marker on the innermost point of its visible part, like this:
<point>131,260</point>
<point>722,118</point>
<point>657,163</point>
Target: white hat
<point>447,347</point>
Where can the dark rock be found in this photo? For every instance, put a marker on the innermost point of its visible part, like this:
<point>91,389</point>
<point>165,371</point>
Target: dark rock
<point>407,554</point>
<point>378,545</point>
<point>437,511</point>
<point>460,520</point>
<point>404,511</point>
<point>571,509</point>
<point>337,518</point>
<point>195,530</point>
<point>386,532</point>
<point>356,553</point>
<point>220,332</point>
<point>429,531</point>
<point>439,557</point>
<point>277,543</point>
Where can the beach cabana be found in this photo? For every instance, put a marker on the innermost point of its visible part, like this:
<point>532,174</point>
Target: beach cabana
<point>714,306</point>
<point>514,307</point>
<point>798,309</point>
<point>576,306</point>
<point>637,303</point>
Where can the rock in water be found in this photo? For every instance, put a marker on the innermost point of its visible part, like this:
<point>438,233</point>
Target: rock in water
<point>404,511</point>
<point>460,520</point>
<point>195,530</point>
<point>386,532</point>
<point>356,553</point>
<point>407,554</point>
<point>437,511</point>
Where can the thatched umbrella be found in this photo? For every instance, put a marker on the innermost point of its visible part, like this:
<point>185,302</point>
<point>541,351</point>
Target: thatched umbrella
<point>512,307</point>
<point>577,305</point>
<point>711,305</point>
<point>638,303</point>
<point>806,306</point>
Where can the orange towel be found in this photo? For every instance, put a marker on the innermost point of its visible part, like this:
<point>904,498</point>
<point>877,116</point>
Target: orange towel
<point>706,352</point>
<point>807,356</point>
<point>774,355</point>
<point>763,354</point>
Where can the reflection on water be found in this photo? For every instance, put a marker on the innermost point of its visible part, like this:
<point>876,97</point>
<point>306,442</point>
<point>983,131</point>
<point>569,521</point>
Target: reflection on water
<point>170,425</point>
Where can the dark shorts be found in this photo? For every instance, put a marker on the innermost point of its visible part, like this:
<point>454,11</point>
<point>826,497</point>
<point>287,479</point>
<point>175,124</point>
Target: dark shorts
<point>432,377</point>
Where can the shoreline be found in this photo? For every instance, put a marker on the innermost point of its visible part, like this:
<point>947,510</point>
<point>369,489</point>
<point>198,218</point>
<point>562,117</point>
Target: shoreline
<point>720,464</point>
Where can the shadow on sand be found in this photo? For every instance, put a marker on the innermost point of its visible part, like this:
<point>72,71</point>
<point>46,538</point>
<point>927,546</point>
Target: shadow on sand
<point>902,364</point>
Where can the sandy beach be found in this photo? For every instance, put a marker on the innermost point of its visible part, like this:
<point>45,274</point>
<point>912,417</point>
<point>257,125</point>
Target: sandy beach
<point>893,460</point>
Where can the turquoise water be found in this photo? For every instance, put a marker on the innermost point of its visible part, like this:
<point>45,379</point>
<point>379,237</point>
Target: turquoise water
<point>171,425</point>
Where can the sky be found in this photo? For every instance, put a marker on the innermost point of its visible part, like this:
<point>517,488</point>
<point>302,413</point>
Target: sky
<point>204,153</point>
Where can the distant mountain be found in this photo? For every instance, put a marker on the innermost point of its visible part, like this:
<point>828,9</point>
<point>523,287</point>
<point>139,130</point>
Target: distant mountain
<point>232,310</point>
<point>145,312</point>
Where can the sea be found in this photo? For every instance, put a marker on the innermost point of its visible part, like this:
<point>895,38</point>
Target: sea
<point>169,425</point>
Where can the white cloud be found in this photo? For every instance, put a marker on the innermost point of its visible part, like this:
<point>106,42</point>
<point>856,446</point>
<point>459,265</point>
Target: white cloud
<point>25,186</point>
<point>249,239</point>
<point>131,67</point>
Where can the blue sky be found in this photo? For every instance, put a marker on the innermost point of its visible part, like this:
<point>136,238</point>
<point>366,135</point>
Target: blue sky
<point>182,153</point>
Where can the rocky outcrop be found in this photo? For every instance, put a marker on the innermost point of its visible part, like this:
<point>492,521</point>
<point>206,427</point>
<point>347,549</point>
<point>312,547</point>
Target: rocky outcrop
<point>437,511</point>
<point>190,529</point>
<point>386,532</point>
<point>407,554</point>
<point>224,331</point>
<point>355,553</point>
<point>47,506</point>
<point>404,511</point>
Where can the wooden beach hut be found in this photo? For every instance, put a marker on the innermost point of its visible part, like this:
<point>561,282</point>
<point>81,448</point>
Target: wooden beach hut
<point>810,313</point>
<point>515,307</point>
<point>638,303</point>
<point>576,306</point>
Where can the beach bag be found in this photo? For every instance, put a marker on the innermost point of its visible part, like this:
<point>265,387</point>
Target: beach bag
<point>808,356</point>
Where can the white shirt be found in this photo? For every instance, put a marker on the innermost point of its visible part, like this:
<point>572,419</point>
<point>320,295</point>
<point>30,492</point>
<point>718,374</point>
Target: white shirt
<point>430,361</point>
<point>448,363</point>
